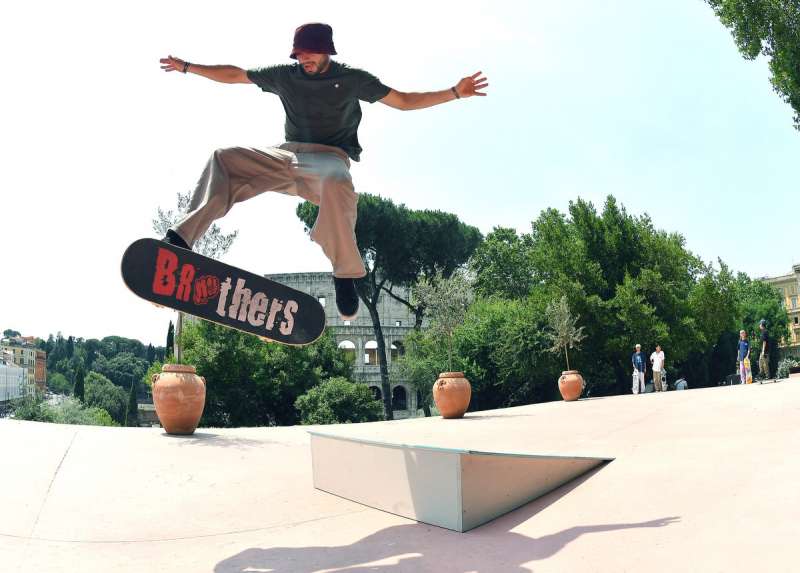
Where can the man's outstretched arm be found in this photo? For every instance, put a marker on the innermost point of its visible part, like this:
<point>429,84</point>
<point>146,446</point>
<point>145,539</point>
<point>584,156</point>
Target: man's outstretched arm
<point>467,87</point>
<point>223,74</point>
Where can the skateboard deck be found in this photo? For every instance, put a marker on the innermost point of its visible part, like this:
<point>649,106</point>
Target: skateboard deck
<point>183,280</point>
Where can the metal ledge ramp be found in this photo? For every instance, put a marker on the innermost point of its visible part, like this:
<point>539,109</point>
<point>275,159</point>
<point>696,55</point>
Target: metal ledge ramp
<point>450,488</point>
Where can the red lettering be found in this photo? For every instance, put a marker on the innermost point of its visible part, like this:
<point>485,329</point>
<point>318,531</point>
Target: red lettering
<point>185,286</point>
<point>200,292</point>
<point>164,278</point>
<point>205,288</point>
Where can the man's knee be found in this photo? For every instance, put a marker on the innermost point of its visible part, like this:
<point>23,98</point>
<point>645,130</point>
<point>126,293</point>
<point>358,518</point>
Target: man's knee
<point>339,187</point>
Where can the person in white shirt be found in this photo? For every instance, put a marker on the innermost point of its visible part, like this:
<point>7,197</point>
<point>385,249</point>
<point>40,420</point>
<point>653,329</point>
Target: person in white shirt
<point>657,359</point>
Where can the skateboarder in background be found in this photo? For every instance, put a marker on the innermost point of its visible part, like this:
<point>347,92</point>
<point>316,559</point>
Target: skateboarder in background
<point>321,99</point>
<point>639,369</point>
<point>763,359</point>
<point>743,357</point>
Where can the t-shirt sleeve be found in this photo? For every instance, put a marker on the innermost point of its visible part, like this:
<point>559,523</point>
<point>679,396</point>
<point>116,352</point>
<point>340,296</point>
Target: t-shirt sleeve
<point>268,78</point>
<point>370,88</point>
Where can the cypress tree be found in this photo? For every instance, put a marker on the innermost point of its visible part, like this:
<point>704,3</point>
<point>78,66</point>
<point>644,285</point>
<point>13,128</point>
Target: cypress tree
<point>132,413</point>
<point>170,339</point>
<point>78,389</point>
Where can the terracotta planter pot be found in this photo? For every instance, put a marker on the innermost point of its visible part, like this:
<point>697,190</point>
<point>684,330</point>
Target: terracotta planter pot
<point>452,392</point>
<point>179,396</point>
<point>570,385</point>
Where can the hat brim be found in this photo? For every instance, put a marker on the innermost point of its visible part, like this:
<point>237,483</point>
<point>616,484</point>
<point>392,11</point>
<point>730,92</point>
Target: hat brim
<point>293,55</point>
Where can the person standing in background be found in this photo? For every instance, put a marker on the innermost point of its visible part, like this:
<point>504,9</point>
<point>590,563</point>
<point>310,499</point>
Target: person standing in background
<point>639,368</point>
<point>763,359</point>
<point>743,357</point>
<point>657,360</point>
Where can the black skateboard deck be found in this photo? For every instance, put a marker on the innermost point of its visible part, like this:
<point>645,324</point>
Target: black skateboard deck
<point>183,280</point>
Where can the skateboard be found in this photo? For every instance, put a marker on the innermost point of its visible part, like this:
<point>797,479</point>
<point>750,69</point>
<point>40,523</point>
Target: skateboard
<point>189,282</point>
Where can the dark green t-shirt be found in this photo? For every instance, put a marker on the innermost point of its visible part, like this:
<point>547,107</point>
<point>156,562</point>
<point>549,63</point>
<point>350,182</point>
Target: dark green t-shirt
<point>321,108</point>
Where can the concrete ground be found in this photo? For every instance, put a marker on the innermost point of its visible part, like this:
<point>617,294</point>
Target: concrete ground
<point>702,480</point>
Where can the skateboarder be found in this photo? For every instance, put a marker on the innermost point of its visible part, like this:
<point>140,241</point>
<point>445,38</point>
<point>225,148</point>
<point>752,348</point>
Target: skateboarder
<point>321,99</point>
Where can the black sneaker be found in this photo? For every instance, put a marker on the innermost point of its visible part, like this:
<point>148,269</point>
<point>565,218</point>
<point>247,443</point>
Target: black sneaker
<point>346,298</point>
<point>175,239</point>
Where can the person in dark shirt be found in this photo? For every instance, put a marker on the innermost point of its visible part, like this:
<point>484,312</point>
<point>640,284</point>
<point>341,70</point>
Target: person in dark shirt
<point>743,357</point>
<point>321,100</point>
<point>639,368</point>
<point>763,359</point>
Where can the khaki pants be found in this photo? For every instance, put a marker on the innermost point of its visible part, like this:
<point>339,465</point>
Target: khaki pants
<point>317,173</point>
<point>657,381</point>
<point>763,365</point>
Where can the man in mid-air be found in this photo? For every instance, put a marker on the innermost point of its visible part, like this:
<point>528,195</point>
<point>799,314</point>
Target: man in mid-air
<point>321,100</point>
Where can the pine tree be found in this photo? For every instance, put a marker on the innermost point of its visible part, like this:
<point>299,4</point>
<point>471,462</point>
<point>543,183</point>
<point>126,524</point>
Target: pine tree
<point>151,354</point>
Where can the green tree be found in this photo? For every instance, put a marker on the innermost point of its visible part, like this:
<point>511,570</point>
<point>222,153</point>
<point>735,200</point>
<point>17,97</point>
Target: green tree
<point>502,266</point>
<point>132,412</point>
<point>111,346</point>
<point>502,346</point>
<point>58,383</point>
<point>564,330</point>
<point>629,281</point>
<point>447,301</point>
<point>32,408</point>
<point>91,347</point>
<point>424,359</point>
<point>337,401</point>
<point>251,383</point>
<point>49,344</point>
<point>426,234</point>
<point>10,333</point>
<point>104,394</point>
<point>78,391</point>
<point>72,411</point>
<point>398,246</point>
<point>68,411</point>
<point>770,28</point>
<point>123,369</point>
<point>170,339</point>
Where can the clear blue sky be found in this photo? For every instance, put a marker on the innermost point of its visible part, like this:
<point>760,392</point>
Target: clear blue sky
<point>649,101</point>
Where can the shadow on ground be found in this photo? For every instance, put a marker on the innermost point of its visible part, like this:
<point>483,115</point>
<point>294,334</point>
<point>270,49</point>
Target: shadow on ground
<point>218,440</point>
<point>417,547</point>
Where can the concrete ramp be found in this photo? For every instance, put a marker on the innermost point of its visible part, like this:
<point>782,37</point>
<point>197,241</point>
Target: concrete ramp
<point>452,488</point>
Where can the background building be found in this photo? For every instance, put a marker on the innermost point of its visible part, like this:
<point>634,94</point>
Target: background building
<point>13,379</point>
<point>789,287</point>
<point>23,353</point>
<point>357,337</point>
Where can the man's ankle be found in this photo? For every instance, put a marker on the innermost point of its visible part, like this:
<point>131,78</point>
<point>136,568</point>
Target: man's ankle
<point>173,238</point>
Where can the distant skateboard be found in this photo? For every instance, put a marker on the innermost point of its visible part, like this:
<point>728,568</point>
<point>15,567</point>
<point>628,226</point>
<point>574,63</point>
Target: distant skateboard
<point>189,282</point>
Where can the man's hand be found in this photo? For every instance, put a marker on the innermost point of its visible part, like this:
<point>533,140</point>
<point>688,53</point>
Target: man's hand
<point>470,85</point>
<point>171,64</point>
<point>223,74</point>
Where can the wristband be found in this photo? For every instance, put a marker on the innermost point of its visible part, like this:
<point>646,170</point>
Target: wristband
<point>455,93</point>
<point>185,66</point>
